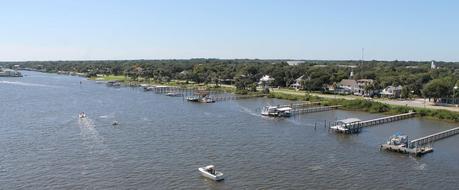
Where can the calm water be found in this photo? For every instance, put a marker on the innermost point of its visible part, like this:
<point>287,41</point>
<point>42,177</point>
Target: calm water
<point>161,141</point>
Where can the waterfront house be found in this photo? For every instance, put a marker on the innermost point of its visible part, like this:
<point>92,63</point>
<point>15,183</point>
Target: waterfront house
<point>392,91</point>
<point>356,87</point>
<point>9,73</point>
<point>348,85</point>
<point>298,83</point>
<point>265,81</point>
<point>362,84</point>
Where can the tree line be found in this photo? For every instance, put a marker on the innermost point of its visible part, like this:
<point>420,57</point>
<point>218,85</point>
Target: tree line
<point>417,78</point>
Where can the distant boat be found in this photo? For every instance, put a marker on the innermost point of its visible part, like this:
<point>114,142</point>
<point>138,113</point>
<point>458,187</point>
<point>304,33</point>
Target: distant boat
<point>173,94</point>
<point>82,115</point>
<point>210,172</point>
<point>275,111</point>
<point>115,123</point>
<point>192,98</point>
<point>207,100</point>
<point>341,125</point>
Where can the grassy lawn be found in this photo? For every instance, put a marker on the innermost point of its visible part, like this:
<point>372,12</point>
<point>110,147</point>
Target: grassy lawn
<point>111,77</point>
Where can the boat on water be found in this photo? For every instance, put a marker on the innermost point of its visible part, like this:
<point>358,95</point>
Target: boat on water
<point>113,83</point>
<point>173,94</point>
<point>210,172</point>
<point>200,99</point>
<point>207,100</point>
<point>192,98</point>
<point>400,143</point>
<point>82,115</point>
<point>115,123</point>
<point>275,111</point>
<point>341,125</point>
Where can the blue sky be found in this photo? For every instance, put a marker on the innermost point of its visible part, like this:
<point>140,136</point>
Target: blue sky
<point>265,29</point>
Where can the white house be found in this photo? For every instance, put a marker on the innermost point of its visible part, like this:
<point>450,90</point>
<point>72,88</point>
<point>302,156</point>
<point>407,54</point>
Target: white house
<point>392,91</point>
<point>298,83</point>
<point>266,79</point>
<point>356,87</point>
<point>9,73</point>
<point>432,65</point>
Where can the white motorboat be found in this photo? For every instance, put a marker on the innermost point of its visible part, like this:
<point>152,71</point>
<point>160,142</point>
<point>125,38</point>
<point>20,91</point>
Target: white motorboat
<point>210,172</point>
<point>82,115</point>
<point>207,100</point>
<point>115,123</point>
<point>275,111</point>
<point>173,94</point>
<point>341,125</point>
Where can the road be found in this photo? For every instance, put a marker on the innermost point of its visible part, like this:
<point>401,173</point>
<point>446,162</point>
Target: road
<point>417,103</point>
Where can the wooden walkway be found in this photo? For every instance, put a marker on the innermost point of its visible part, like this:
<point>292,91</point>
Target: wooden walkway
<point>356,127</point>
<point>313,109</point>
<point>432,138</point>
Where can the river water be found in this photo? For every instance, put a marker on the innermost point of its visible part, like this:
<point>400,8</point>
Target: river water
<point>161,141</point>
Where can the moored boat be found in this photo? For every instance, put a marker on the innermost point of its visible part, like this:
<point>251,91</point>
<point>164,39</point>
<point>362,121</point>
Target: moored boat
<point>341,125</point>
<point>173,94</point>
<point>275,111</point>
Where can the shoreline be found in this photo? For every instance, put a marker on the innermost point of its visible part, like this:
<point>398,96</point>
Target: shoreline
<point>346,102</point>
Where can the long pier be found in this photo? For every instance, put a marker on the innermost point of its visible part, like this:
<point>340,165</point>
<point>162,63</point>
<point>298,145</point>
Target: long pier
<point>356,126</point>
<point>433,137</point>
<point>313,109</point>
<point>418,146</point>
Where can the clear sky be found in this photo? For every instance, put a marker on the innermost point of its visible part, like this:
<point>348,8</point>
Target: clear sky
<point>265,29</point>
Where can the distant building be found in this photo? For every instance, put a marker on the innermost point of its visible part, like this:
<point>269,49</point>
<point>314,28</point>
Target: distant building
<point>321,66</point>
<point>298,83</point>
<point>346,86</point>
<point>294,62</point>
<point>392,92</point>
<point>265,81</point>
<point>9,73</point>
<point>412,67</point>
<point>348,66</point>
<point>432,65</point>
<point>362,84</point>
<point>356,87</point>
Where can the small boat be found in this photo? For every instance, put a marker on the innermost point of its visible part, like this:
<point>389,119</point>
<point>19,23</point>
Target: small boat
<point>210,172</point>
<point>173,94</point>
<point>342,125</point>
<point>207,100</point>
<point>115,123</point>
<point>82,115</point>
<point>192,98</point>
<point>275,111</point>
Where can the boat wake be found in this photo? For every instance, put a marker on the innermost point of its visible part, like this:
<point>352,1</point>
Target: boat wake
<point>26,84</point>
<point>418,165</point>
<point>248,111</point>
<point>94,143</point>
<point>111,115</point>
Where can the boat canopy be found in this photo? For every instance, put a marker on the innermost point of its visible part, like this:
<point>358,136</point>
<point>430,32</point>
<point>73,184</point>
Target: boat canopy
<point>284,109</point>
<point>210,167</point>
<point>349,120</point>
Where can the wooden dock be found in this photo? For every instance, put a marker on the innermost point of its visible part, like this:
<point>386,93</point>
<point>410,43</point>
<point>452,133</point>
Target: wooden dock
<point>433,137</point>
<point>418,151</point>
<point>356,127</point>
<point>421,145</point>
<point>313,109</point>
